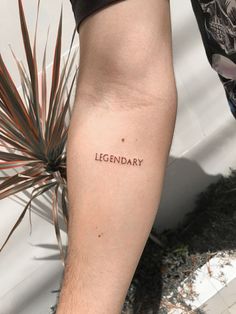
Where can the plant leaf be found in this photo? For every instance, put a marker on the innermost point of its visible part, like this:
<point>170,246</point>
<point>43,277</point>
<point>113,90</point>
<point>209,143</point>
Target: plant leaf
<point>64,205</point>
<point>44,88</point>
<point>55,76</point>
<point>56,221</point>
<point>23,186</point>
<point>13,105</point>
<point>32,66</point>
<point>14,157</point>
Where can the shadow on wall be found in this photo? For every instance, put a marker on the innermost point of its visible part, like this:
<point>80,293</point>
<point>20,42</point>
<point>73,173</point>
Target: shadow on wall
<point>19,300</point>
<point>184,179</point>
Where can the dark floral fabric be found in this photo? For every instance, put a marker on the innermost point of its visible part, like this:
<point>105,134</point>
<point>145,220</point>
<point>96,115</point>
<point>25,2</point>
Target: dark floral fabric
<point>217,23</point>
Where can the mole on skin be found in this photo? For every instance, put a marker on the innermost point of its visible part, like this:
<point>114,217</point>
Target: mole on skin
<point>123,139</point>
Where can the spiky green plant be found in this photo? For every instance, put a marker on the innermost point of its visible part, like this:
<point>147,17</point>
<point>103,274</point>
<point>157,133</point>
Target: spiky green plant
<point>34,127</point>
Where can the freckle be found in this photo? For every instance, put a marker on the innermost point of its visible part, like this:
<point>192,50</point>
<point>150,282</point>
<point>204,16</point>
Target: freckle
<point>123,139</point>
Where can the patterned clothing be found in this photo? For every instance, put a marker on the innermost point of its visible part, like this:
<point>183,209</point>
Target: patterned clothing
<point>217,23</point>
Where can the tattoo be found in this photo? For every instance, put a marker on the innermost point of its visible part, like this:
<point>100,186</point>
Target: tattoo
<point>118,159</point>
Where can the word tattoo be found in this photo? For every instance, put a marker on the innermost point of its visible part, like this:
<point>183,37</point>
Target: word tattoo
<point>118,159</point>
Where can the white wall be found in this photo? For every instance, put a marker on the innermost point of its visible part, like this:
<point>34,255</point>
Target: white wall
<point>205,133</point>
<point>202,149</point>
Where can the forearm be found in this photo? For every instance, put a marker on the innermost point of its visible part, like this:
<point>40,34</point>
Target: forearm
<point>118,145</point>
<point>117,163</point>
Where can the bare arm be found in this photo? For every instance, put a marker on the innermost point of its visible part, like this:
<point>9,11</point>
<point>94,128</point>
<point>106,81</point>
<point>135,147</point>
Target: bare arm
<point>119,141</point>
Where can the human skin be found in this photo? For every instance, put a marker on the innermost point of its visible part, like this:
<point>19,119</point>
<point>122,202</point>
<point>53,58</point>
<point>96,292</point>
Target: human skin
<point>125,105</point>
